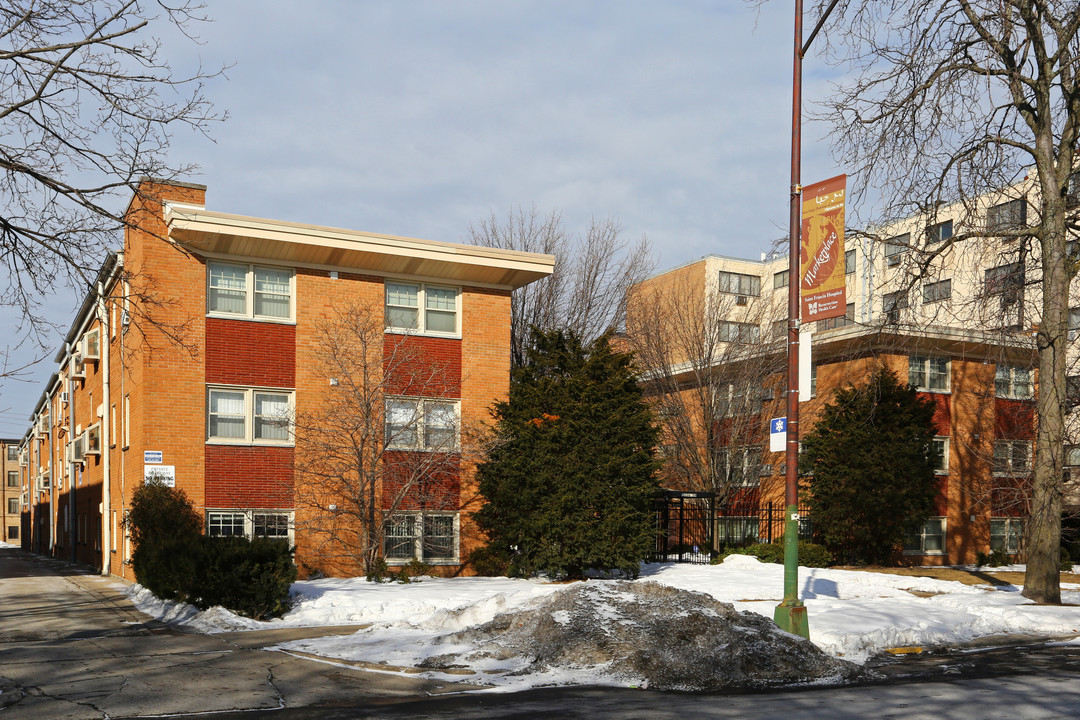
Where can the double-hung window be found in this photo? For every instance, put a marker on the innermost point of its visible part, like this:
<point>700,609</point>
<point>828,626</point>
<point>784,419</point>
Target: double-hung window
<point>431,537</point>
<point>423,308</point>
<point>941,455</point>
<point>895,247</point>
<point>927,539</point>
<point>1012,457</point>
<point>13,506</point>
<point>422,424</point>
<point>928,373</point>
<point>13,478</point>
<point>1006,534</point>
<point>249,291</point>
<point>1012,382</point>
<point>248,415</point>
<point>12,453</point>
<point>892,303</point>
<point>849,262</point>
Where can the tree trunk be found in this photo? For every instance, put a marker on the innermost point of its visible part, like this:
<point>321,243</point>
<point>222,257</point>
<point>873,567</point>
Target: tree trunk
<point>1042,579</point>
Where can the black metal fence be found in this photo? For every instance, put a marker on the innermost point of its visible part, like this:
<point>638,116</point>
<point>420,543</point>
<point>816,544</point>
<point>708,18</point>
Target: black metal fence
<point>691,526</point>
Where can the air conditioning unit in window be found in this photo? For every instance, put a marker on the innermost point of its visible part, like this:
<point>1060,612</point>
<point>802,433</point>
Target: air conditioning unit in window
<point>92,442</point>
<point>24,459</point>
<point>742,300</point>
<point>90,346</point>
<point>892,260</point>
<point>77,449</point>
<point>64,397</point>
<point>76,369</point>
<point>43,425</point>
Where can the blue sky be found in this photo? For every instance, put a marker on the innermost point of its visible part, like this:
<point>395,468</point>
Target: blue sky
<point>417,118</point>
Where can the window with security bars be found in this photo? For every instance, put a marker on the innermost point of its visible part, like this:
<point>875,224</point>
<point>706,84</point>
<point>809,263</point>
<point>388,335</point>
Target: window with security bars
<point>225,524</point>
<point>431,537</point>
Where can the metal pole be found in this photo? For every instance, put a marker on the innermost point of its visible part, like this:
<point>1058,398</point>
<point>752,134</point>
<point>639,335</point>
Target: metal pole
<point>790,614</point>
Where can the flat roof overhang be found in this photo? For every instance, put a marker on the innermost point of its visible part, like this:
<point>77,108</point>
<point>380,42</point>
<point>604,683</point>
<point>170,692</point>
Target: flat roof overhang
<point>204,231</point>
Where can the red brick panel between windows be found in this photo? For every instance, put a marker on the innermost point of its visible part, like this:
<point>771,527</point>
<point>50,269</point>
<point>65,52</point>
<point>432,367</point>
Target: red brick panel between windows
<point>249,477</point>
<point>240,352</point>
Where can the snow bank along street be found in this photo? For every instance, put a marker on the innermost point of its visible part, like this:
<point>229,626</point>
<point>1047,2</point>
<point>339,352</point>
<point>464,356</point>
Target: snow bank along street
<point>853,614</point>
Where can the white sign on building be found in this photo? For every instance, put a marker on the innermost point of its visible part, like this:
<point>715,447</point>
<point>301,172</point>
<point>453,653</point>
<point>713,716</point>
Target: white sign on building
<point>165,474</point>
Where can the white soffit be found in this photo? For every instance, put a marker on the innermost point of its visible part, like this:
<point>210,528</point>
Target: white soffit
<point>274,240</point>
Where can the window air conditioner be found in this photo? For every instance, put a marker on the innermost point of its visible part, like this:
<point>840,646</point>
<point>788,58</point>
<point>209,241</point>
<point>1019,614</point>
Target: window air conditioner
<point>78,449</point>
<point>90,346</point>
<point>75,366</point>
<point>64,397</point>
<point>92,443</point>
<point>892,260</point>
<point>742,300</point>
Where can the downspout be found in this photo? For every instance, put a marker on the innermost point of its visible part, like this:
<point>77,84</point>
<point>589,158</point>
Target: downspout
<point>54,509</point>
<point>105,349</point>
<point>72,480</point>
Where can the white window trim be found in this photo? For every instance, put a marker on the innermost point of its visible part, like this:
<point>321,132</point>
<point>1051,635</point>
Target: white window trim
<point>1012,470</point>
<point>421,309</point>
<point>249,520</point>
<point>419,417</point>
<point>418,539</point>
<point>925,360</point>
<point>249,416</point>
<point>944,469</point>
<point>249,294</point>
<point>1010,531</point>
<point>1011,392</point>
<point>922,538</point>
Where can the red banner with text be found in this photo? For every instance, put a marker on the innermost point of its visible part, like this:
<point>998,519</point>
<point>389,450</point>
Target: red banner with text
<point>821,257</point>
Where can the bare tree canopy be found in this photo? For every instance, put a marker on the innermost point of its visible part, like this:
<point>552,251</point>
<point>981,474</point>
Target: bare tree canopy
<point>586,292</point>
<point>87,108</point>
<point>951,99</point>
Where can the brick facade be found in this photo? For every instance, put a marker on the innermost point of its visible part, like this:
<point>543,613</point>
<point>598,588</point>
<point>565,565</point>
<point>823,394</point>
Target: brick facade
<point>165,352</point>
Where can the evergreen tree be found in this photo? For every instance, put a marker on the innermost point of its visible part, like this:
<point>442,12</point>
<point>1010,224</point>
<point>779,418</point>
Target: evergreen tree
<point>872,459</point>
<point>570,483</point>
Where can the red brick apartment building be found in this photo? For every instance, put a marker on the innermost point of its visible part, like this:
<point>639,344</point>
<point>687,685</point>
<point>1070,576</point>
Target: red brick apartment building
<point>199,344</point>
<point>961,332</point>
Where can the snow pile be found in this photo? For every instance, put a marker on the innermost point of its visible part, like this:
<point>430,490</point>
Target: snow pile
<point>645,634</point>
<point>852,614</point>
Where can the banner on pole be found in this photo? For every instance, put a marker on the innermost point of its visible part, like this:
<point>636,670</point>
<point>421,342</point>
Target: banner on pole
<point>821,252</point>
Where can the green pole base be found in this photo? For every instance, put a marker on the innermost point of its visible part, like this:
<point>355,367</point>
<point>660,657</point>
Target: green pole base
<point>792,618</point>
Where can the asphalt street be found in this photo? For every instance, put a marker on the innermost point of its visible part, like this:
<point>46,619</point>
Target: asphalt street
<point>73,646</point>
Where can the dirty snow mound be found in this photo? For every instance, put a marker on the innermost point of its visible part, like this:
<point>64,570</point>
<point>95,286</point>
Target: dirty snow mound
<point>644,632</point>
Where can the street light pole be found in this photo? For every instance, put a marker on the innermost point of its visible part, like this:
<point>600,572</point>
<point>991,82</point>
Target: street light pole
<point>790,614</point>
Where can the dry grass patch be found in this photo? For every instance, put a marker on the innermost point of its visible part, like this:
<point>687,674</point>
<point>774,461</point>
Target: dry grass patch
<point>984,576</point>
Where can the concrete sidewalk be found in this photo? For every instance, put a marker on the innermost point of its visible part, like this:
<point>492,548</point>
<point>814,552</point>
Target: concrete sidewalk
<point>73,646</point>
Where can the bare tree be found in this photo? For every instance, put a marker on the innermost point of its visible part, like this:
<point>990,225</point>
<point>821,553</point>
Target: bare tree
<point>711,372</point>
<point>952,99</point>
<point>586,292</point>
<point>378,454</point>
<point>89,105</point>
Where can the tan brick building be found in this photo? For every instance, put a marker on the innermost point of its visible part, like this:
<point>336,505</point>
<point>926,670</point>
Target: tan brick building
<point>11,491</point>
<point>198,357</point>
<point>957,324</point>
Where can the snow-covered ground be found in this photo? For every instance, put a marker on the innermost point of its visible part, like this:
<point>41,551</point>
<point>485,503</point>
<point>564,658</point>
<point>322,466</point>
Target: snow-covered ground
<point>852,614</point>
